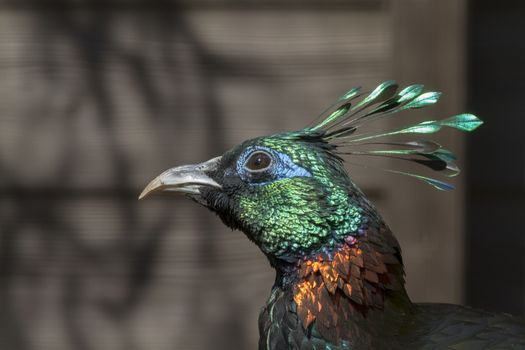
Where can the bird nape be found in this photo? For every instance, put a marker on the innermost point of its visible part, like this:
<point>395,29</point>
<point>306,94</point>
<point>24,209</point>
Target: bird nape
<point>340,276</point>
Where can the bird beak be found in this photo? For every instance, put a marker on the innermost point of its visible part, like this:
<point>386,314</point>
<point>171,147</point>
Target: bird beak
<point>186,179</point>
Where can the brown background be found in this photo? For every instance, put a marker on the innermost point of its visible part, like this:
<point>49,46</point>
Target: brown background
<point>96,98</point>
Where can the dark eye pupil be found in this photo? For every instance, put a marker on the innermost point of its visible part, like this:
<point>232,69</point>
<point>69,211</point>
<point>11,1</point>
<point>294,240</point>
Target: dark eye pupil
<point>259,161</point>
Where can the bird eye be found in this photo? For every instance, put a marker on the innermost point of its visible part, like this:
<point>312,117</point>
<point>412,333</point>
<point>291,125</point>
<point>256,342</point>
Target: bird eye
<point>258,161</point>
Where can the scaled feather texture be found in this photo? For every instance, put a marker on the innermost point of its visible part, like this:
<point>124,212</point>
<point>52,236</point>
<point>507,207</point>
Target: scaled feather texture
<point>340,275</point>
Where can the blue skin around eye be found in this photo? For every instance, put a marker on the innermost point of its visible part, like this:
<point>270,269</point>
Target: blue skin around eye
<point>282,167</point>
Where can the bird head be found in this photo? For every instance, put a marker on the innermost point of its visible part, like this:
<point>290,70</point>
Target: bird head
<point>290,192</point>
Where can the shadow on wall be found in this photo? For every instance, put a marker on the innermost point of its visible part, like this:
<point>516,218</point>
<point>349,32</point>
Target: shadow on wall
<point>74,284</point>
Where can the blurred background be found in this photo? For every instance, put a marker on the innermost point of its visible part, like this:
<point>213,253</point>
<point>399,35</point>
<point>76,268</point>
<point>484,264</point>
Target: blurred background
<point>98,97</point>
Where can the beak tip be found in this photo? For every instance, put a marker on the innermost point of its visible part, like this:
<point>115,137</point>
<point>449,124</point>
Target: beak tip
<point>153,186</point>
<point>144,194</point>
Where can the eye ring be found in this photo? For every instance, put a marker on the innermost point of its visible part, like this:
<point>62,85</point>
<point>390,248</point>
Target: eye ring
<point>258,161</point>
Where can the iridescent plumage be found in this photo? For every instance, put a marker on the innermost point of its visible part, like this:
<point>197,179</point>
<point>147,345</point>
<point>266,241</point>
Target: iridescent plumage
<point>340,276</point>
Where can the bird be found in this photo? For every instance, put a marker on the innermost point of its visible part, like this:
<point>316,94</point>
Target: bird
<point>340,280</point>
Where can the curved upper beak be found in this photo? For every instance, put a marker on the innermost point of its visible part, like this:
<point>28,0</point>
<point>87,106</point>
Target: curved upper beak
<point>184,179</point>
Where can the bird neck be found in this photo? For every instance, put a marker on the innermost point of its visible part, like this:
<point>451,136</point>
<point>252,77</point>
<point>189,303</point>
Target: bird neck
<point>360,277</point>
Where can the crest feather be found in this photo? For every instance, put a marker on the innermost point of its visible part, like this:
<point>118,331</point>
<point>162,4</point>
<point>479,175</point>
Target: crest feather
<point>341,121</point>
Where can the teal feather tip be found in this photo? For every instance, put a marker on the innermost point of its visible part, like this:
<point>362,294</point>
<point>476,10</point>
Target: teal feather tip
<point>463,122</point>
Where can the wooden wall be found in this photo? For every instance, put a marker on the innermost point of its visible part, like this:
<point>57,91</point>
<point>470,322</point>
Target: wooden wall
<point>97,99</point>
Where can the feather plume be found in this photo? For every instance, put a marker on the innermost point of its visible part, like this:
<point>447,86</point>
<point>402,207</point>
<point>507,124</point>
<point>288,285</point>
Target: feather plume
<point>340,123</point>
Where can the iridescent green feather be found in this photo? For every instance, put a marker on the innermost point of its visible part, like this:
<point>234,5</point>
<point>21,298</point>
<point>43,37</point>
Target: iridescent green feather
<point>350,94</point>
<point>462,122</point>
<point>338,113</point>
<point>423,100</point>
<point>342,106</point>
<point>381,93</point>
<point>410,92</point>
